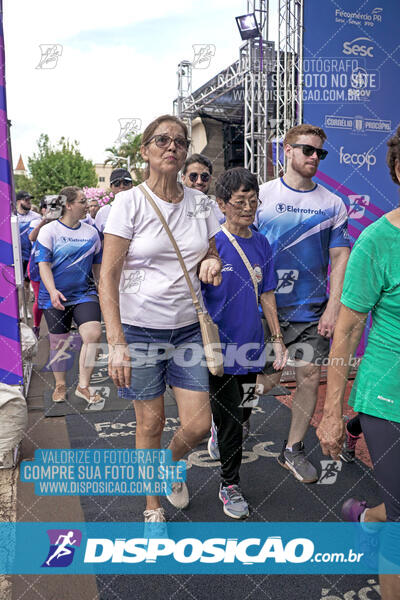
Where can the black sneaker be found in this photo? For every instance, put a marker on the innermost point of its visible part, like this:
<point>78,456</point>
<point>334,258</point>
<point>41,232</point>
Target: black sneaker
<point>295,461</point>
<point>348,453</point>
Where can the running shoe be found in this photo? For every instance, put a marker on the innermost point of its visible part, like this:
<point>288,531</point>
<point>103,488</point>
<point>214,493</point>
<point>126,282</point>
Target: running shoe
<point>295,461</point>
<point>155,525</point>
<point>155,515</point>
<point>348,453</point>
<point>235,505</point>
<point>212,445</point>
<point>179,497</point>
<point>352,509</point>
<point>59,393</point>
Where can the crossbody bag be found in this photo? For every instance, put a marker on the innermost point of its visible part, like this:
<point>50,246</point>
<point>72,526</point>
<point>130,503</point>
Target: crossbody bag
<point>244,258</point>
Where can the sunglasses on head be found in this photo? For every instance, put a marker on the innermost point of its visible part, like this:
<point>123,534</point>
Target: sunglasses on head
<point>119,182</point>
<point>309,150</point>
<point>163,141</point>
<point>203,176</point>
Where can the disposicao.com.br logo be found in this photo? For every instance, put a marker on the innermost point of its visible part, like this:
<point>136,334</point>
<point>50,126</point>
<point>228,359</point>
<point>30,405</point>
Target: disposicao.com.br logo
<point>62,547</point>
<point>247,551</point>
<point>193,548</point>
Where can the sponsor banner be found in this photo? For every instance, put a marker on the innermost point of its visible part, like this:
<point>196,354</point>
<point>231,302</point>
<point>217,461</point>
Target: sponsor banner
<point>191,548</point>
<point>11,370</point>
<point>110,472</point>
<point>351,63</point>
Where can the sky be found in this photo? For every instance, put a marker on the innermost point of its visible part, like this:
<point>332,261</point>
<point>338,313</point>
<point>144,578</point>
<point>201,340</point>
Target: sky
<point>118,61</point>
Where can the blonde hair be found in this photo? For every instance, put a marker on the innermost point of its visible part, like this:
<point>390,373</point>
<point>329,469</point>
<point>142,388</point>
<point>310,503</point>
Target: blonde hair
<point>304,129</point>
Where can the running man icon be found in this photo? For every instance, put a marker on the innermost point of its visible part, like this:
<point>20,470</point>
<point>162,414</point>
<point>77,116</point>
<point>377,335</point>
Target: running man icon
<point>62,547</point>
<point>287,279</point>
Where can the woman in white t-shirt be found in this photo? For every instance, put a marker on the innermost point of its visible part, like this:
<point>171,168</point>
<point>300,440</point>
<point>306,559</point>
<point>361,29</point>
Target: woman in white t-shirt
<point>146,303</point>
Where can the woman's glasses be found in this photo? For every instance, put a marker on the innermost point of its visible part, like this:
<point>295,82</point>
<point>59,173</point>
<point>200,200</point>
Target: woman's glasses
<point>203,176</point>
<point>241,204</point>
<point>309,150</point>
<point>163,141</point>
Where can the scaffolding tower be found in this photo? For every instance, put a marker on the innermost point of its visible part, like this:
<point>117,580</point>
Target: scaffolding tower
<point>289,74</point>
<point>265,116</point>
<point>256,61</point>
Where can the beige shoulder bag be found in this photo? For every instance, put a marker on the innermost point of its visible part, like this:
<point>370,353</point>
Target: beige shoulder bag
<point>209,330</point>
<point>244,258</point>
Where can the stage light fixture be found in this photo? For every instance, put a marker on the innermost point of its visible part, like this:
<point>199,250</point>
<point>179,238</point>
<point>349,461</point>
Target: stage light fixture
<point>248,26</point>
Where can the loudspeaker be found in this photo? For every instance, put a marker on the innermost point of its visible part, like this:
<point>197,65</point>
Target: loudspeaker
<point>233,146</point>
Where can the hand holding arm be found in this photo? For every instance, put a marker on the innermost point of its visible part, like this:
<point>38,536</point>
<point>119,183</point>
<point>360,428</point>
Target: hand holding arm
<point>211,265</point>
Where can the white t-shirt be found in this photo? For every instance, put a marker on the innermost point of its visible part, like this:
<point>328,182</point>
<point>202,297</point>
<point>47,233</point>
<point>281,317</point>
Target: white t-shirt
<point>153,289</point>
<point>101,217</point>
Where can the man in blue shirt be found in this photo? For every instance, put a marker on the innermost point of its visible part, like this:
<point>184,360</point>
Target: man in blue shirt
<point>306,225</point>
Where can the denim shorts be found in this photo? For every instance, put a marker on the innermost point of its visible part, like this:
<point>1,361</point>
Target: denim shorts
<point>164,356</point>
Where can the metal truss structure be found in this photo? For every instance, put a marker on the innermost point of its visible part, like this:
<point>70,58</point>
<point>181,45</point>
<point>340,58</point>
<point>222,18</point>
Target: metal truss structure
<point>243,92</point>
<point>289,73</point>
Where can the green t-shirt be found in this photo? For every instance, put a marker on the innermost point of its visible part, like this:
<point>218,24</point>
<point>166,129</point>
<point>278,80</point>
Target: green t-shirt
<point>372,283</point>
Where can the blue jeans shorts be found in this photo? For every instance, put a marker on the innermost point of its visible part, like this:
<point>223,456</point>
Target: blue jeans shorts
<point>164,356</point>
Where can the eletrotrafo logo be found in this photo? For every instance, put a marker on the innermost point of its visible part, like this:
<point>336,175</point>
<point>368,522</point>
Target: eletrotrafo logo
<point>62,547</point>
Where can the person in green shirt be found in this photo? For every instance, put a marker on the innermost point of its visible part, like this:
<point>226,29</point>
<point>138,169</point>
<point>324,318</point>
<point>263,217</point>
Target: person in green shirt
<point>372,284</point>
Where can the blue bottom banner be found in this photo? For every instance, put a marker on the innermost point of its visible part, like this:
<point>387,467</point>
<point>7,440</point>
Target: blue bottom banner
<point>200,548</point>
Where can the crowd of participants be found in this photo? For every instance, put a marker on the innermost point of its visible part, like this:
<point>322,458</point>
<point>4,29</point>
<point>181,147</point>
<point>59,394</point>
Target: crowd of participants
<point>257,259</point>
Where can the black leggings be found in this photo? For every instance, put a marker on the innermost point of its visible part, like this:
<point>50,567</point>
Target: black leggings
<point>226,395</point>
<point>354,426</point>
<point>383,441</point>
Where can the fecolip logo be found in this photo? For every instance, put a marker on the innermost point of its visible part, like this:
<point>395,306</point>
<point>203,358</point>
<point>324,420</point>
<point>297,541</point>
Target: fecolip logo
<point>358,160</point>
<point>357,48</point>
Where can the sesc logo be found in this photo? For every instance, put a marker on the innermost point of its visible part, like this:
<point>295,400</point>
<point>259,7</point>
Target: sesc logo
<point>355,48</point>
<point>358,160</point>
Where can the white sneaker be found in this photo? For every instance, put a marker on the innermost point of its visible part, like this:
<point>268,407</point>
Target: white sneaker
<point>155,515</point>
<point>179,496</point>
<point>155,525</point>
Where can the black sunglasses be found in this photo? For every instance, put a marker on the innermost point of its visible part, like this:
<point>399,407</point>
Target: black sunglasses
<point>163,141</point>
<point>119,182</point>
<point>309,150</point>
<point>203,176</point>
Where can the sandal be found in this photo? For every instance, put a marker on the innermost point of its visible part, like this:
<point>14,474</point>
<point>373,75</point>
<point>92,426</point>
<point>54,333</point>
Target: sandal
<point>88,394</point>
<point>60,393</point>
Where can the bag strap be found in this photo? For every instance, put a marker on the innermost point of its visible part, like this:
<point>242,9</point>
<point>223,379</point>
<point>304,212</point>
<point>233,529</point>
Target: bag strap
<point>175,245</point>
<point>243,257</point>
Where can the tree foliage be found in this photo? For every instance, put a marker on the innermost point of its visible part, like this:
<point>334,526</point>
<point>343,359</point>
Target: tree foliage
<point>129,147</point>
<point>56,166</point>
<point>22,182</point>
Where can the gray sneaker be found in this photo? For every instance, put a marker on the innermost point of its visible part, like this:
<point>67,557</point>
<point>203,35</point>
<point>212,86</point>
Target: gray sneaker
<point>235,505</point>
<point>295,461</point>
<point>179,496</point>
